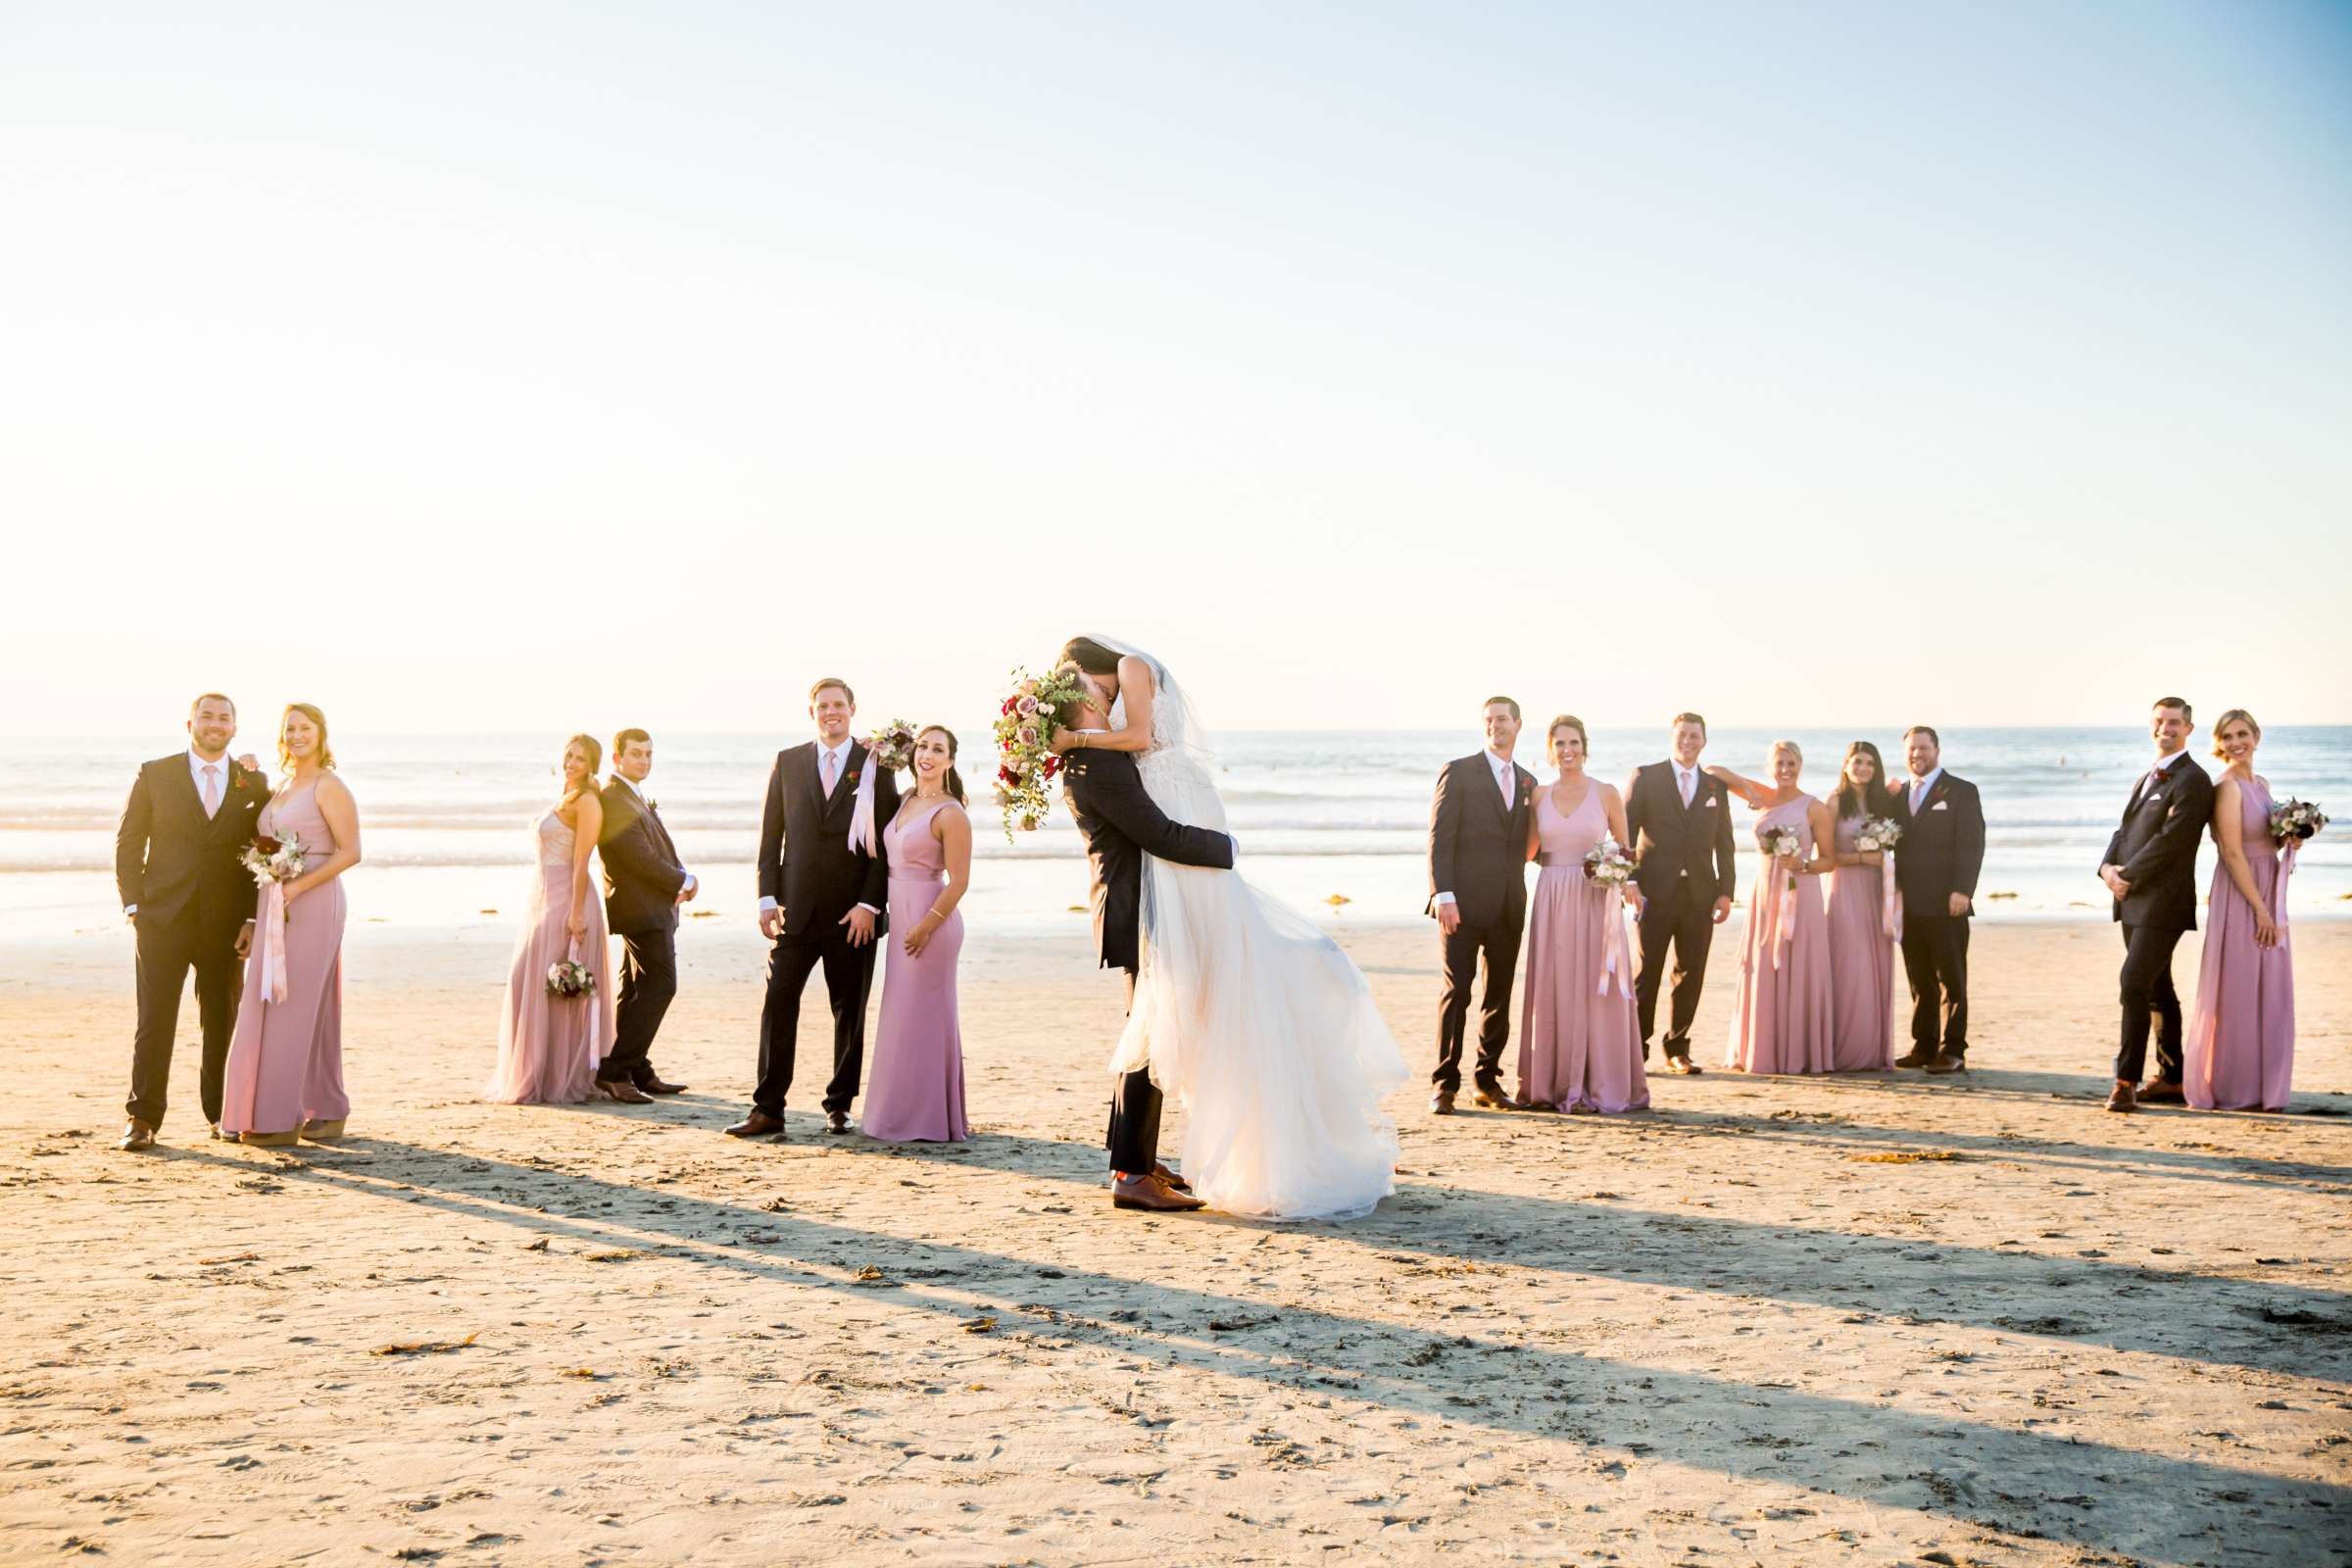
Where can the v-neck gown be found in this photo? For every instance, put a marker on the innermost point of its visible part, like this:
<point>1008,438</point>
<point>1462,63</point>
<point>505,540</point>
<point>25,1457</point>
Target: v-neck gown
<point>548,1046</point>
<point>914,1089</point>
<point>285,1065</point>
<point>1580,1047</point>
<point>2239,1053</point>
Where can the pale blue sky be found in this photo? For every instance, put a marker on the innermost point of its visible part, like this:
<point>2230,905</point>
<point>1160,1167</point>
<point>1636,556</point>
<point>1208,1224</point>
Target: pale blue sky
<point>545,366</point>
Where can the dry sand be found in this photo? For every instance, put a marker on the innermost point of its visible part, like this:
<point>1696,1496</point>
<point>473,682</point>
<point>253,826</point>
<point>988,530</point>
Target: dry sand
<point>1865,1319</point>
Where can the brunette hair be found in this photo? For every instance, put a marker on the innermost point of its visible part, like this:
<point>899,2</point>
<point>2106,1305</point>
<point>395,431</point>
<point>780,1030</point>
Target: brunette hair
<point>596,759</point>
<point>955,780</point>
<point>1929,731</point>
<point>203,698</point>
<point>1689,718</point>
<point>1087,655</point>
<point>1560,721</point>
<point>2225,722</point>
<point>623,738</point>
<point>1506,701</point>
<point>2182,703</point>
<point>829,680</point>
<point>309,710</point>
<point>1873,798</point>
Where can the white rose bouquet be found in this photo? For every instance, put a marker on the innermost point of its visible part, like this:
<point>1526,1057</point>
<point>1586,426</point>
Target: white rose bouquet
<point>276,859</point>
<point>566,978</point>
<point>1609,864</point>
<point>2293,821</point>
<point>1783,844</point>
<point>1878,833</point>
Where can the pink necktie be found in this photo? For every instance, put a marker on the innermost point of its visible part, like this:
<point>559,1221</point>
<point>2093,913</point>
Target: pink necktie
<point>1686,783</point>
<point>211,789</point>
<point>1503,781</point>
<point>829,764</point>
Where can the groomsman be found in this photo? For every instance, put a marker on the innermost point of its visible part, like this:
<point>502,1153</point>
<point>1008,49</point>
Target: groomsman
<point>188,818</point>
<point>1936,869</point>
<point>644,887</point>
<point>822,903</point>
<point>1478,892</point>
<point>2151,869</point>
<point>1680,824</point>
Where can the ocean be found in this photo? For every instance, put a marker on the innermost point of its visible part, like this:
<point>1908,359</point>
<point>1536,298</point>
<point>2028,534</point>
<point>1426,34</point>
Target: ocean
<point>1334,821</point>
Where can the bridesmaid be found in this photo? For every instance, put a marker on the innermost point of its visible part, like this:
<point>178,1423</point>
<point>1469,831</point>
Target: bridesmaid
<point>2239,1053</point>
<point>1781,1021</point>
<point>548,1046</point>
<point>917,1088</point>
<point>1861,947</point>
<point>285,1064</point>
<point>1579,1045</point>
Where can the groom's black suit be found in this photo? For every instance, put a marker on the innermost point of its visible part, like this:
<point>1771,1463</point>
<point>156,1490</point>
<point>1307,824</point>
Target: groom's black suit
<point>1121,826</point>
<point>642,881</point>
<point>1478,854</point>
<point>181,870</point>
<point>807,865</point>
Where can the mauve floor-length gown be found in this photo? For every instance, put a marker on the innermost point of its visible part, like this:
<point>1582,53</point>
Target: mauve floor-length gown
<point>914,1091</point>
<point>285,1064</point>
<point>1781,1021</point>
<point>2239,1050</point>
<point>548,1046</point>
<point>1861,963</point>
<point>1580,1044</point>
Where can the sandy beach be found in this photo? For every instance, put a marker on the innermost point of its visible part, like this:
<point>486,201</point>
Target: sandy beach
<point>1868,1319</point>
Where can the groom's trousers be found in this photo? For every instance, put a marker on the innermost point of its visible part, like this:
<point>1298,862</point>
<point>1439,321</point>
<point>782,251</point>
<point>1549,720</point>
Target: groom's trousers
<point>1495,950</point>
<point>165,951</point>
<point>848,977</point>
<point>1134,1136</point>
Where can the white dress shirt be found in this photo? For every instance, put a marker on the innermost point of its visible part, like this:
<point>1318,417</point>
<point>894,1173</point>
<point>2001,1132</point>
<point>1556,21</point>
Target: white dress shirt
<point>2163,764</point>
<point>841,769</point>
<point>1685,782</point>
<point>1920,787</point>
<point>638,790</point>
<point>1506,781</point>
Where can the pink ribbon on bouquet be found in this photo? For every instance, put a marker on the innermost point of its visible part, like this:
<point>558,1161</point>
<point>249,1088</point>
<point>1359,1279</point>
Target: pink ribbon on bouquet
<point>1614,961</point>
<point>862,815</point>
<point>1891,901</point>
<point>2287,868</point>
<point>274,940</point>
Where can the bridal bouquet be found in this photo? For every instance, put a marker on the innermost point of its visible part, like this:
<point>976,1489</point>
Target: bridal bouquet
<point>1609,862</point>
<point>1783,844</point>
<point>2293,821</point>
<point>275,859</point>
<point>1879,833</point>
<point>1026,764</point>
<point>566,978</point>
<point>893,746</point>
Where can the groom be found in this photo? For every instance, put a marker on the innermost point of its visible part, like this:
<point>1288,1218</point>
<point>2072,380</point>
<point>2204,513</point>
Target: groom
<point>1121,826</point>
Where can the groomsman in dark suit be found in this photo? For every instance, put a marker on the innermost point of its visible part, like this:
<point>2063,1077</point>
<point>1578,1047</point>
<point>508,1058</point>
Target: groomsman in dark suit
<point>2151,869</point>
<point>1478,893</point>
<point>822,901</point>
<point>644,887</point>
<point>1936,869</point>
<point>189,817</point>
<point>1680,823</point>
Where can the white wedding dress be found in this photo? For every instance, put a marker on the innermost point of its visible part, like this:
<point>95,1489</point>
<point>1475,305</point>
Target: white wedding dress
<point>1251,1018</point>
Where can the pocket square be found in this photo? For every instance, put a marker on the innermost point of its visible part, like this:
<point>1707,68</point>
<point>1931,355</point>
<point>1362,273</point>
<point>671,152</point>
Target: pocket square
<point>1710,803</point>
<point>1938,806</point>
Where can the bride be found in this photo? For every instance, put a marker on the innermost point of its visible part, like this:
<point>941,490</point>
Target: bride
<point>1257,1023</point>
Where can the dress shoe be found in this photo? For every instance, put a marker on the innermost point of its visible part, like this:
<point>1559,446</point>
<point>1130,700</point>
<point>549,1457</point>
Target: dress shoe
<point>837,1122</point>
<point>1149,1191</point>
<point>627,1093</point>
<point>1683,1066</point>
<point>137,1136</point>
<point>1170,1177</point>
<point>1948,1064</point>
<point>2123,1097</point>
<point>218,1135</point>
<point>1914,1058</point>
<point>1494,1100</point>
<point>654,1086</point>
<point>322,1132</point>
<point>758,1124</point>
<point>1440,1103</point>
<point>2162,1091</point>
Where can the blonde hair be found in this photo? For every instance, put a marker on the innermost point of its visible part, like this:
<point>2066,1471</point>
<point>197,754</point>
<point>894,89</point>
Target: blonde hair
<point>595,750</point>
<point>1790,747</point>
<point>309,710</point>
<point>2225,722</point>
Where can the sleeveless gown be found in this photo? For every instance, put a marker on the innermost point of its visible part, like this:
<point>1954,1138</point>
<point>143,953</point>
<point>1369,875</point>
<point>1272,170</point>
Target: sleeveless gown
<point>1782,1021</point>
<point>1259,1026</point>
<point>548,1046</point>
<point>1861,963</point>
<point>914,1091</point>
<point>285,1064</point>
<point>2240,1052</point>
<point>1580,1044</point>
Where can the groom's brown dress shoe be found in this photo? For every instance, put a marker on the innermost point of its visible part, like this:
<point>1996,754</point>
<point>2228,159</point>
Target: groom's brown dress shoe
<point>137,1136</point>
<point>2122,1099</point>
<point>1494,1100</point>
<point>2162,1091</point>
<point>758,1124</point>
<point>1170,1177</point>
<point>627,1093</point>
<point>1685,1066</point>
<point>1440,1103</point>
<point>654,1086</point>
<point>1149,1191</point>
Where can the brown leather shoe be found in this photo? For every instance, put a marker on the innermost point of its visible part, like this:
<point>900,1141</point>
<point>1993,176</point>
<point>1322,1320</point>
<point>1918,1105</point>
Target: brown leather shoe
<point>1440,1103</point>
<point>837,1122</point>
<point>2122,1099</point>
<point>1494,1100</point>
<point>1149,1191</point>
<point>1683,1066</point>
<point>1948,1064</point>
<point>654,1086</point>
<point>137,1136</point>
<point>758,1124</point>
<point>2162,1091</point>
<point>627,1093</point>
<point>1914,1058</point>
<point>1170,1177</point>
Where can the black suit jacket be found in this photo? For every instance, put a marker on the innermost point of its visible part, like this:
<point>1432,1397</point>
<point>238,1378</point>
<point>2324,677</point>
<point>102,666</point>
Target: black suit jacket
<point>1122,825</point>
<point>1678,848</point>
<point>2156,847</point>
<point>169,857</point>
<point>1478,850</point>
<point>1942,851</point>
<point>805,863</point>
<point>642,873</point>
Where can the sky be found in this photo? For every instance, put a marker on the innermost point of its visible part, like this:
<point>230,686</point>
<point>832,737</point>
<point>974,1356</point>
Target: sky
<point>504,367</point>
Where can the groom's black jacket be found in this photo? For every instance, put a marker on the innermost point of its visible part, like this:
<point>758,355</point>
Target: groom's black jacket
<point>1122,825</point>
<point>805,863</point>
<point>2156,847</point>
<point>169,856</point>
<point>642,873</point>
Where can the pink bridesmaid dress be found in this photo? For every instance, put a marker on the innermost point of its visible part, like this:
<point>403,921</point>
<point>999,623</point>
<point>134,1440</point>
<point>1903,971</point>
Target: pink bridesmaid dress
<point>915,1091</point>
<point>1861,965</point>
<point>1783,1019</point>
<point>2240,1052</point>
<point>548,1046</point>
<point>1580,1044</point>
<point>285,1064</point>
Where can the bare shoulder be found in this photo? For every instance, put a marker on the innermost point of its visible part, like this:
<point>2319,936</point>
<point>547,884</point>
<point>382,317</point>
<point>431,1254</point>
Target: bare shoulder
<point>333,789</point>
<point>1135,674</point>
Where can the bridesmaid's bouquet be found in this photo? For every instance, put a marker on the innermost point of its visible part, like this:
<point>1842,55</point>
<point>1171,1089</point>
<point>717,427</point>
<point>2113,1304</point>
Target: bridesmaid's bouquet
<point>1609,862</point>
<point>1879,833</point>
<point>1783,844</point>
<point>275,859</point>
<point>893,746</point>
<point>566,978</point>
<point>2292,820</point>
<point>1026,764</point>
